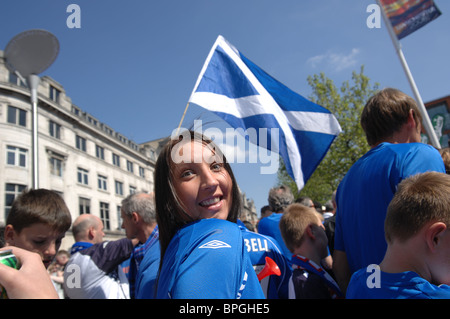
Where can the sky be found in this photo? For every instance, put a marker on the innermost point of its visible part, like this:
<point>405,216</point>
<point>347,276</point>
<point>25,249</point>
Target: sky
<point>133,64</point>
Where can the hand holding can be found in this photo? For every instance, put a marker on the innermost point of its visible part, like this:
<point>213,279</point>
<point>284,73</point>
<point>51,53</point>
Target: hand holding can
<point>30,281</point>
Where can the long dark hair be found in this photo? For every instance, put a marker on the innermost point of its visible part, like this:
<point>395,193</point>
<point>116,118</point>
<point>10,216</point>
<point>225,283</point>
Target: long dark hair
<point>170,214</point>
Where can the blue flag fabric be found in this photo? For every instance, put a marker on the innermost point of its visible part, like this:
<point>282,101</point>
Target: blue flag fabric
<point>242,94</point>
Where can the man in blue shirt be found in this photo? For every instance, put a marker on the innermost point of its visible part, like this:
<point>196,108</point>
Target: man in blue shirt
<point>392,123</point>
<point>279,198</point>
<point>139,221</point>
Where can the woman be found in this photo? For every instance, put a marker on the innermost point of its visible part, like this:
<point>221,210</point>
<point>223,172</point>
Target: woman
<point>197,205</point>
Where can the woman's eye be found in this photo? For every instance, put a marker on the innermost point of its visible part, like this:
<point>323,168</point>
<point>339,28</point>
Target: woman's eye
<point>216,166</point>
<point>186,174</point>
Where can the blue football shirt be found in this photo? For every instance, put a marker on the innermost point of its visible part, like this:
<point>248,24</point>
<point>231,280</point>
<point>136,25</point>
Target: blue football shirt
<point>259,247</point>
<point>404,285</point>
<point>207,259</point>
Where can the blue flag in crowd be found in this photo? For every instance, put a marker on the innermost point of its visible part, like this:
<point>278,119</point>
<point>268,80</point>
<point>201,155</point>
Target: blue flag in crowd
<point>245,96</point>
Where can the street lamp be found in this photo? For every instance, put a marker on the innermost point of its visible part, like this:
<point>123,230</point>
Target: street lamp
<point>28,54</point>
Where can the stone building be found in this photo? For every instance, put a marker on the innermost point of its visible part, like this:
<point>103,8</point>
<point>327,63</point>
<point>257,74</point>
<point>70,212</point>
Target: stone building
<point>92,166</point>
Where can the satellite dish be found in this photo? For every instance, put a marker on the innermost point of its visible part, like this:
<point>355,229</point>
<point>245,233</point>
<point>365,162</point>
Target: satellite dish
<point>31,52</point>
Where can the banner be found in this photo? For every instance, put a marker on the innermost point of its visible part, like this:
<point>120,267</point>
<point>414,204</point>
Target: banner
<point>407,16</point>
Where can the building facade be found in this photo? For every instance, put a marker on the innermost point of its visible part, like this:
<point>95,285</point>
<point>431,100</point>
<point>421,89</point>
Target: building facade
<point>92,166</point>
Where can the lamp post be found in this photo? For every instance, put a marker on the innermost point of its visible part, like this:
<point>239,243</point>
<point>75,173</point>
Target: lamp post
<point>28,54</point>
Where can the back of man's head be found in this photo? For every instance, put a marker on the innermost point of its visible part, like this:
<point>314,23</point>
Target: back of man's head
<point>83,224</point>
<point>280,197</point>
<point>142,204</point>
<point>385,113</point>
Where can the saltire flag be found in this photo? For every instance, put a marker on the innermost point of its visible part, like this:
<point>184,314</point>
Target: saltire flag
<point>242,94</point>
<point>406,16</point>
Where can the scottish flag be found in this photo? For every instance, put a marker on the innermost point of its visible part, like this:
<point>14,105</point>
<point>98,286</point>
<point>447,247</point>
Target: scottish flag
<point>245,96</point>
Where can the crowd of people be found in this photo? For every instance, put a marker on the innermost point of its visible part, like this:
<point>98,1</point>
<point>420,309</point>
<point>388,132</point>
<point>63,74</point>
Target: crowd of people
<point>384,233</point>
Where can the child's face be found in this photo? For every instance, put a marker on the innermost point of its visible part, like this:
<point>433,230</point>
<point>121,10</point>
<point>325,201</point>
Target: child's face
<point>62,259</point>
<point>201,182</point>
<point>38,238</point>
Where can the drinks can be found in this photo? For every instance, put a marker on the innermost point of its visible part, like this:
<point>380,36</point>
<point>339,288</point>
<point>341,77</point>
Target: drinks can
<point>7,258</point>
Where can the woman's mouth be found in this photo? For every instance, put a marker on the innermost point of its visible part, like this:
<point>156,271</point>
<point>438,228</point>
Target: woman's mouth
<point>210,201</point>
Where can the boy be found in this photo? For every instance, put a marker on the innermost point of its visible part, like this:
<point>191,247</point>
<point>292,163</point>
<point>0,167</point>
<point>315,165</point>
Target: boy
<point>38,221</point>
<point>416,263</point>
<point>304,235</point>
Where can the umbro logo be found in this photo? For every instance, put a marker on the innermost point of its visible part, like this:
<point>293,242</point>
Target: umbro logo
<point>215,244</point>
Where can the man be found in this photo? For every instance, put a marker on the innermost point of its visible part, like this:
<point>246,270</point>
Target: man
<point>94,271</point>
<point>392,123</point>
<point>279,198</point>
<point>139,221</point>
<point>87,230</point>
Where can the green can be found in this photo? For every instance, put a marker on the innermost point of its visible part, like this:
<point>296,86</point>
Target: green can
<point>7,258</point>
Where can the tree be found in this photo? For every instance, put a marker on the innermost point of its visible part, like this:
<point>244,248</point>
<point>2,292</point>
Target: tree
<point>346,104</point>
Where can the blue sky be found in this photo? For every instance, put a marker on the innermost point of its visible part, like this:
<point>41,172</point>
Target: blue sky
<point>133,64</point>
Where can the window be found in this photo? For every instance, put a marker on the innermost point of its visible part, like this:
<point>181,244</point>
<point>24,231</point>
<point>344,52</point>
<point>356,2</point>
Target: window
<point>17,116</point>
<point>14,79</point>
<point>16,156</point>
<point>119,188</point>
<point>84,205</point>
<point>56,166</point>
<point>102,182</point>
<point>11,192</point>
<point>132,190</point>
<point>83,176</point>
<point>116,160</point>
<point>54,130</point>
<point>130,166</point>
<point>76,110</point>
<point>92,120</point>
<point>100,152</point>
<point>104,215</point>
<point>54,94</point>
<point>141,172</point>
<point>81,143</point>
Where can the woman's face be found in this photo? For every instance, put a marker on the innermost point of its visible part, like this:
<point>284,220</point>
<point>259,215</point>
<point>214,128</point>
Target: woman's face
<point>201,181</point>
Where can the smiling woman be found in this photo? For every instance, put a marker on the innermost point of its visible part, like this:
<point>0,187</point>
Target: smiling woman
<point>197,205</point>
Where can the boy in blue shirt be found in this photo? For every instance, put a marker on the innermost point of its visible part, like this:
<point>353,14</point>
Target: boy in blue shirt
<point>416,264</point>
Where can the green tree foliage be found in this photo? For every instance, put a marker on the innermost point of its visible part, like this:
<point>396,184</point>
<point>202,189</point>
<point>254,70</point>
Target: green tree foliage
<point>346,104</point>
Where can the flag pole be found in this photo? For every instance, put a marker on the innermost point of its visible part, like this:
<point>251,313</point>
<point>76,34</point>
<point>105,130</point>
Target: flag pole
<point>182,118</point>
<point>426,119</point>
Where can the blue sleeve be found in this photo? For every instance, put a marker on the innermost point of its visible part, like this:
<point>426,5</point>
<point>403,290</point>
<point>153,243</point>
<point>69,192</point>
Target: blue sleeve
<point>424,158</point>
